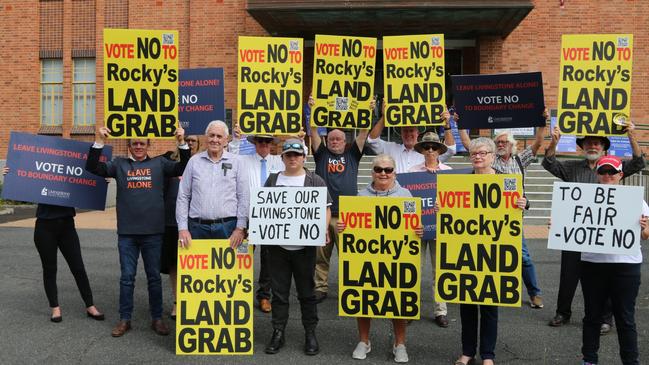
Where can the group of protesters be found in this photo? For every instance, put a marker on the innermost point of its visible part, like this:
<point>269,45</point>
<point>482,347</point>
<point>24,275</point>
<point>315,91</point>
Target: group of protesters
<point>190,193</point>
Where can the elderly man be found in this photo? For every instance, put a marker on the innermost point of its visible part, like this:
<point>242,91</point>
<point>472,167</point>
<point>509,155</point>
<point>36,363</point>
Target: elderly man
<point>213,194</point>
<point>404,153</point>
<point>583,171</point>
<point>509,161</point>
<point>337,165</point>
<point>140,218</point>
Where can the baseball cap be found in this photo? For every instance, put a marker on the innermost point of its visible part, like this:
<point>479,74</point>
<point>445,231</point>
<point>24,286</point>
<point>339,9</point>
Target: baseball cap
<point>612,161</point>
<point>293,145</point>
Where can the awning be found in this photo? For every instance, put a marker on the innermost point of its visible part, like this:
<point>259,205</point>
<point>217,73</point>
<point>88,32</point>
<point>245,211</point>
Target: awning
<point>456,19</point>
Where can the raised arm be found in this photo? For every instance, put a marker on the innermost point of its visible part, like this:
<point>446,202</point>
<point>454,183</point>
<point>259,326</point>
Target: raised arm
<point>540,133</point>
<point>315,138</point>
<point>93,164</point>
<point>362,135</point>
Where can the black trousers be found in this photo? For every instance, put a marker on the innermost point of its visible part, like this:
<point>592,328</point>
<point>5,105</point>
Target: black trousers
<point>300,265</point>
<point>264,290</point>
<point>619,284</point>
<point>51,235</point>
<point>568,281</point>
<point>488,330</point>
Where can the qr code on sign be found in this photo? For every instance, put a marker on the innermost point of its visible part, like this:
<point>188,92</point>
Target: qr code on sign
<point>409,207</point>
<point>623,41</point>
<point>294,45</point>
<point>342,103</point>
<point>510,185</point>
<point>168,38</point>
<point>434,41</point>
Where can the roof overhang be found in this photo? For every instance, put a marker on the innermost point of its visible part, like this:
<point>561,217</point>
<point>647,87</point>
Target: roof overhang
<point>456,19</point>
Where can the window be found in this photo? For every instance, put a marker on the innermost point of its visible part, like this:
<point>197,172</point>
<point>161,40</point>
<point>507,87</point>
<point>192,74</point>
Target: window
<point>51,92</point>
<point>83,88</point>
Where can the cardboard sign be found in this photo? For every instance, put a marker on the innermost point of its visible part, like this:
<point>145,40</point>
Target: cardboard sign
<point>215,299</point>
<point>141,83</point>
<point>595,83</point>
<point>343,81</point>
<point>596,218</point>
<point>379,257</point>
<point>414,81</point>
<point>288,216</point>
<point>201,99</point>
<point>51,170</point>
<point>269,85</point>
<point>499,101</point>
<point>479,239</point>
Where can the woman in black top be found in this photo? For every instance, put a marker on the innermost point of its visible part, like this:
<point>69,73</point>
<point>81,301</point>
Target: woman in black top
<point>54,231</point>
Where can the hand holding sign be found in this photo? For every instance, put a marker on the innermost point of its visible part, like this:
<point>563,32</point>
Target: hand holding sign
<point>101,136</point>
<point>180,135</point>
<point>184,238</point>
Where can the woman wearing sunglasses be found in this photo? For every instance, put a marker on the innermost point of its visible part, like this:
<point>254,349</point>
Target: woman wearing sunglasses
<point>431,147</point>
<point>614,277</point>
<point>384,184</point>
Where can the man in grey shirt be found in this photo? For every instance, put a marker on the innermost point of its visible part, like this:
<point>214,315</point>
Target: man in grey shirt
<point>213,196</point>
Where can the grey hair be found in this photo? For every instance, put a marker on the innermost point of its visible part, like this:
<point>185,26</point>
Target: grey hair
<point>383,158</point>
<point>510,139</point>
<point>482,141</point>
<point>218,123</point>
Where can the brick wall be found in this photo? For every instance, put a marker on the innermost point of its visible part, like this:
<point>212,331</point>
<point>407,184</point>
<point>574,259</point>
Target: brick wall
<point>208,32</point>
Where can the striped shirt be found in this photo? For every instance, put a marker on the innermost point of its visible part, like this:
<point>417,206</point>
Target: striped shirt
<point>511,166</point>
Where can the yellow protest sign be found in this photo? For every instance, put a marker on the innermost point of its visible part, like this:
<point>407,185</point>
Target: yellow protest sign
<point>270,85</point>
<point>379,255</point>
<point>413,78</point>
<point>141,83</point>
<point>479,239</point>
<point>595,84</point>
<point>214,299</point>
<point>343,81</point>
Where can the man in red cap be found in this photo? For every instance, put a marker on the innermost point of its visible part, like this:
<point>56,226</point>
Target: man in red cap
<point>583,171</point>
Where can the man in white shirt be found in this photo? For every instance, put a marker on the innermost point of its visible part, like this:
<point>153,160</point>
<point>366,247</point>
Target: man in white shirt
<point>404,153</point>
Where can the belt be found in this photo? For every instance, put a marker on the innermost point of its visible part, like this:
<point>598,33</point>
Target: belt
<point>212,221</point>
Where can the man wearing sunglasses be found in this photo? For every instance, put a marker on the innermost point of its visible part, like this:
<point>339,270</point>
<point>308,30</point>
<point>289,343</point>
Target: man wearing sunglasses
<point>259,166</point>
<point>140,218</point>
<point>583,171</point>
<point>288,261</point>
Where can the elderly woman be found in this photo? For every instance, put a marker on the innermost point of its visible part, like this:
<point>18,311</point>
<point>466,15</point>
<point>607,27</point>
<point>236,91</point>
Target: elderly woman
<point>384,184</point>
<point>481,152</point>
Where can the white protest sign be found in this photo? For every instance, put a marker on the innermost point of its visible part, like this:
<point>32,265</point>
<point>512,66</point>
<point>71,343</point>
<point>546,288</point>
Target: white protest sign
<point>288,216</point>
<point>596,218</point>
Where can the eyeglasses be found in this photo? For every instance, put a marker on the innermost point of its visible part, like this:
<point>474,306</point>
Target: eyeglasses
<point>481,154</point>
<point>430,147</point>
<point>290,146</point>
<point>609,172</point>
<point>387,170</point>
<point>263,140</point>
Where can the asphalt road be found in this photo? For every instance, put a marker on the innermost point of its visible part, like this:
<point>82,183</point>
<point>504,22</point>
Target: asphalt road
<point>28,337</point>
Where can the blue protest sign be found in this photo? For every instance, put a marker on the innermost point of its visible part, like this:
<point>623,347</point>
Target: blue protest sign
<point>620,146</point>
<point>51,170</point>
<point>201,99</point>
<point>459,147</point>
<point>499,101</point>
<point>567,142</point>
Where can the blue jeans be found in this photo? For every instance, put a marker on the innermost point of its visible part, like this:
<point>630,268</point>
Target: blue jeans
<point>130,247</point>
<point>201,231</point>
<point>529,273</point>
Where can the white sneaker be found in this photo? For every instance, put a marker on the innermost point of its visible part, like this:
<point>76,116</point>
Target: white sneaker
<point>361,350</point>
<point>400,354</point>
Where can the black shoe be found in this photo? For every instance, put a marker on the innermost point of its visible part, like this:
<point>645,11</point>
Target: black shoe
<point>320,296</point>
<point>311,346</point>
<point>559,320</point>
<point>276,342</point>
<point>56,319</point>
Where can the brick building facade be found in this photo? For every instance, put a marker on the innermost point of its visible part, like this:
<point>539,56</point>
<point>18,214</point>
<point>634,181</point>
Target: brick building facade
<point>46,38</point>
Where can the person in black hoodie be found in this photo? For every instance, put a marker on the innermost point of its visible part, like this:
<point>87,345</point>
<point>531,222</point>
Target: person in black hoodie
<point>140,218</point>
